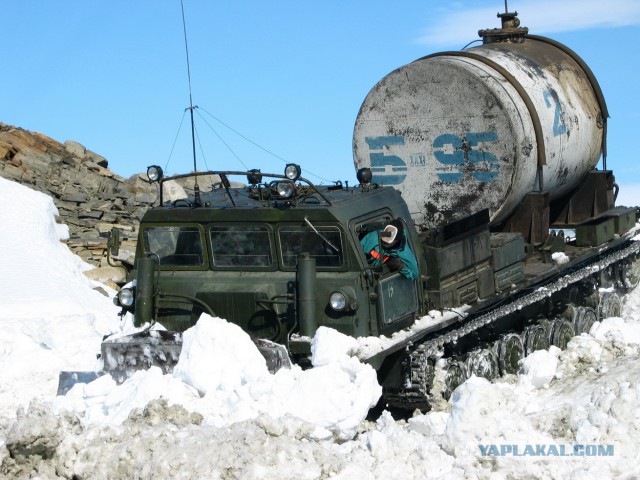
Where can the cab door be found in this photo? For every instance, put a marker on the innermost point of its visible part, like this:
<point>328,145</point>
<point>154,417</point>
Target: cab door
<point>394,297</point>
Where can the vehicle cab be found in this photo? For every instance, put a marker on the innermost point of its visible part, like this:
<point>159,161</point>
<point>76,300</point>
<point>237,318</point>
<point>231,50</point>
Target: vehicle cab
<point>279,257</point>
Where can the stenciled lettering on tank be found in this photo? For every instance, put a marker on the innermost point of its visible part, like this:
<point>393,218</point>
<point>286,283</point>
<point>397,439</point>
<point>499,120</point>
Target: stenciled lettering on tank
<point>386,169</point>
<point>461,159</point>
<point>551,99</point>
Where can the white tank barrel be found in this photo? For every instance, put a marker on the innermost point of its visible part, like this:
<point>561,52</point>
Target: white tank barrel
<point>458,132</point>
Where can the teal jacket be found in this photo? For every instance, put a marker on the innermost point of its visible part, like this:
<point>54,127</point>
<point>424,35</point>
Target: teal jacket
<point>371,246</point>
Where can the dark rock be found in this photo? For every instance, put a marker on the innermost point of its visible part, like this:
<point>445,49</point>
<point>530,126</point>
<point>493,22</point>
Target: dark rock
<point>89,196</point>
<point>74,197</point>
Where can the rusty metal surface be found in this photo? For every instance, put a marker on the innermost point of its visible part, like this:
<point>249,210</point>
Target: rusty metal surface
<point>455,135</point>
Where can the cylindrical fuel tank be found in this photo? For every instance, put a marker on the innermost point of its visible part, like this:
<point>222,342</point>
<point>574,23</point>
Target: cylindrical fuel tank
<point>458,132</point>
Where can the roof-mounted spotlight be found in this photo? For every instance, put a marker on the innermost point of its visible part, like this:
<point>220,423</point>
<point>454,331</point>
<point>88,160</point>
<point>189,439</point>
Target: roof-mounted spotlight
<point>292,171</point>
<point>154,173</point>
<point>364,176</point>
<point>254,177</point>
<point>285,189</point>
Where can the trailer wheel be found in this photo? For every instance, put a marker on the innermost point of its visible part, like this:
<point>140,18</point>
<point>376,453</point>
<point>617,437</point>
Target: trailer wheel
<point>482,363</point>
<point>561,332</point>
<point>536,337</point>
<point>630,273</point>
<point>584,319</point>
<point>510,353</point>
<point>609,306</point>
<point>454,377</point>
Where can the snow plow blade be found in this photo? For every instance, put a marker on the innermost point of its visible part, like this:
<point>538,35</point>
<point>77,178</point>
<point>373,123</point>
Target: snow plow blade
<point>66,380</point>
<point>123,356</point>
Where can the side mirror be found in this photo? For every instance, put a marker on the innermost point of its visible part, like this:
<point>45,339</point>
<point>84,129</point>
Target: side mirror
<point>113,244</point>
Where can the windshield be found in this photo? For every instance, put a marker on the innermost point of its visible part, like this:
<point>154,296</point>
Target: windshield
<point>239,245</point>
<point>296,240</point>
<point>244,246</point>
<point>175,246</point>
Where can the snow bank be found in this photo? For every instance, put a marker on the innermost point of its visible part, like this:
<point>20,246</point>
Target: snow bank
<point>50,316</point>
<point>223,416</point>
<point>222,376</point>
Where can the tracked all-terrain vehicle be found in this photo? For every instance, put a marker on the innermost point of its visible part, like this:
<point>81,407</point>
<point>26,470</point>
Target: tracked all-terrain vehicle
<point>487,156</point>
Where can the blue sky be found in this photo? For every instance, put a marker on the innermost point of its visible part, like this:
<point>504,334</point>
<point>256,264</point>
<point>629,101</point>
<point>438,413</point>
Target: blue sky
<point>289,75</point>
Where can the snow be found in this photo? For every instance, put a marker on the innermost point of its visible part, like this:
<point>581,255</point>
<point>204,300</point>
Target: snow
<point>560,258</point>
<point>222,415</point>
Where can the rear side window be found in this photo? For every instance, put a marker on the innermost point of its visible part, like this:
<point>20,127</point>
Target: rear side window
<point>324,244</point>
<point>175,245</point>
<point>241,246</point>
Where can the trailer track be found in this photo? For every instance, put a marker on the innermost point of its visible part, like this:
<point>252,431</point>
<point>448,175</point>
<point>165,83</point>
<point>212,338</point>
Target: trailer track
<point>420,364</point>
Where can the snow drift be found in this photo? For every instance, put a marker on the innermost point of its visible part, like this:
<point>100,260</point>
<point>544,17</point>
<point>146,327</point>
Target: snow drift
<point>222,415</point>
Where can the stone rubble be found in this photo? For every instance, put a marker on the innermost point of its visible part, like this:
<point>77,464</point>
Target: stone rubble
<point>91,199</point>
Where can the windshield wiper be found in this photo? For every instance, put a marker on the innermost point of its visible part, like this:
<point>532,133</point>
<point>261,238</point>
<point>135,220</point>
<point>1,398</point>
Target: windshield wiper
<point>320,235</point>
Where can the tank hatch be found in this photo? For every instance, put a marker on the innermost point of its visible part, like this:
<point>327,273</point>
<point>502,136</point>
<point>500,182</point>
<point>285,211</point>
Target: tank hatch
<point>510,31</point>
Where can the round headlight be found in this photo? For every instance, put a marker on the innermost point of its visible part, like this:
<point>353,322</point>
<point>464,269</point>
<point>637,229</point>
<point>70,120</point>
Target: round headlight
<point>292,171</point>
<point>285,189</point>
<point>126,297</point>
<point>364,176</point>
<point>338,301</point>
<point>154,173</point>
<point>254,176</point>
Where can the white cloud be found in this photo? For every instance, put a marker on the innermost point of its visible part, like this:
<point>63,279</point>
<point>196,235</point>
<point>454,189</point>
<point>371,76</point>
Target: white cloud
<point>457,25</point>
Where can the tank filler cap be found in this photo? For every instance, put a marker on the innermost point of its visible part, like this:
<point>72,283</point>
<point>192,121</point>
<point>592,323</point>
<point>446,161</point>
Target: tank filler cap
<point>510,31</point>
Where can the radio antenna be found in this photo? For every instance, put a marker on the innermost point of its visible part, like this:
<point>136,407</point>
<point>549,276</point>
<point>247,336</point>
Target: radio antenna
<point>196,188</point>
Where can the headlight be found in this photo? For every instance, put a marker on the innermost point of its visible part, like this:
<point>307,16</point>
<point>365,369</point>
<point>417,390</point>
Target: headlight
<point>126,297</point>
<point>343,300</point>
<point>285,189</point>
<point>364,176</point>
<point>292,171</point>
<point>154,173</point>
<point>338,301</point>
<point>254,177</point>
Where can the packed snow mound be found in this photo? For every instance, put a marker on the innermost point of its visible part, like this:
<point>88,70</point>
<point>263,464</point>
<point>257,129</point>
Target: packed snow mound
<point>540,366</point>
<point>50,316</point>
<point>217,355</point>
<point>222,376</point>
<point>32,257</point>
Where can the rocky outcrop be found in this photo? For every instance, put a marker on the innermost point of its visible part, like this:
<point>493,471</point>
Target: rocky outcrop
<point>90,198</point>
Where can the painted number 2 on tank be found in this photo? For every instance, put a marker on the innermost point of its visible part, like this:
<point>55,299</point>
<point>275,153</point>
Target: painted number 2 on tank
<point>456,157</point>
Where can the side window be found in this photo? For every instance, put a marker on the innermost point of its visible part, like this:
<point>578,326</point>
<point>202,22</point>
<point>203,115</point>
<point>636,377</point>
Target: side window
<point>324,244</point>
<point>174,245</point>
<point>241,246</point>
<point>371,229</point>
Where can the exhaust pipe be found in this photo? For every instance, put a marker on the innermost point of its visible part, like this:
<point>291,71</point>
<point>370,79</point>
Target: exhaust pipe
<point>307,300</point>
<point>145,288</point>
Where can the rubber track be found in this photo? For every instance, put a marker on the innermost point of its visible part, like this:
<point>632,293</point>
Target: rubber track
<point>416,395</point>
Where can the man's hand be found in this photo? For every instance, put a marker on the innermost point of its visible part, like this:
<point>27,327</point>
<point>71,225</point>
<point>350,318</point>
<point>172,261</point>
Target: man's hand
<point>394,264</point>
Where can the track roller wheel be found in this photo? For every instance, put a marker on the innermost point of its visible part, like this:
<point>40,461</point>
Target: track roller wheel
<point>510,351</point>
<point>610,306</point>
<point>454,377</point>
<point>630,273</point>
<point>536,337</point>
<point>581,318</point>
<point>561,332</point>
<point>482,363</point>
<point>584,319</point>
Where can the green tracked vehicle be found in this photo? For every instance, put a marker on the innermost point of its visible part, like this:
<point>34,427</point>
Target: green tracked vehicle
<point>487,159</point>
